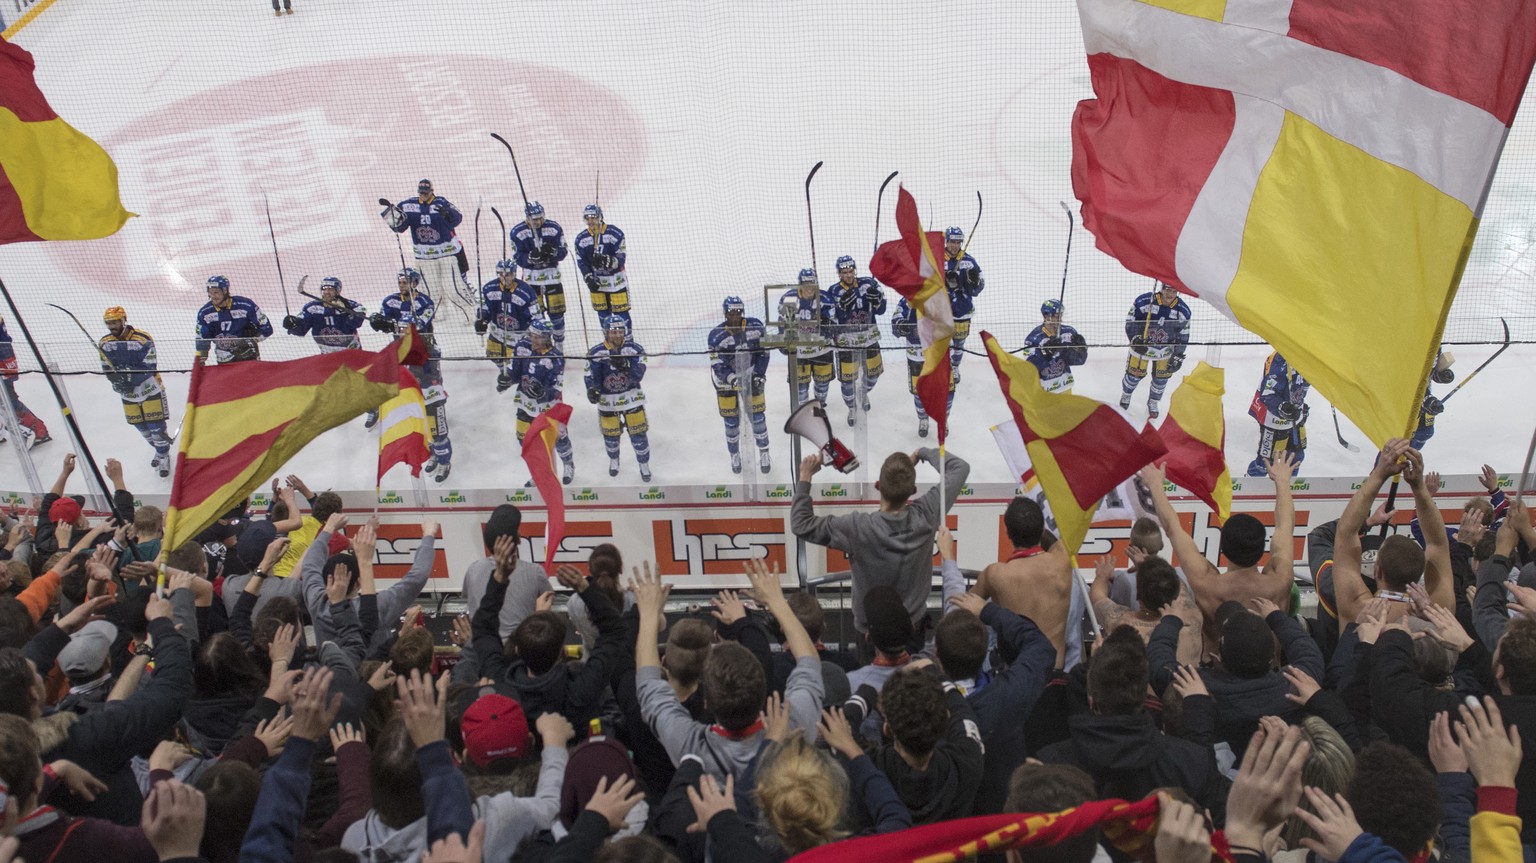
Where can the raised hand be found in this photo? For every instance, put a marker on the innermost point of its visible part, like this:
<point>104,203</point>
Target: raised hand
<point>835,730</point>
<point>1334,824</point>
<point>91,610</point>
<point>1489,478</point>
<point>709,800</point>
<point>284,643</point>
<point>1447,629</point>
<point>1471,529</point>
<point>274,733</point>
<point>338,584</point>
<point>1267,787</point>
<point>946,542</point>
<point>650,592</point>
<point>727,607</point>
<point>345,733</point>
<point>613,801</point>
<point>765,581</point>
<point>1444,752</point>
<point>1493,751</point>
<point>1281,469</point>
<point>571,577</point>
<point>173,820</point>
<point>423,706</point>
<point>1302,682</point>
<point>1187,681</point>
<point>314,708</point>
<point>776,718</point>
<point>1182,836</point>
<point>809,466</point>
<point>453,849</point>
<point>505,554</point>
<point>972,602</point>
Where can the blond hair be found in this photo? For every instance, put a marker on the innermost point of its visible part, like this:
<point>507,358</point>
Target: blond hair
<point>1329,767</point>
<point>801,792</point>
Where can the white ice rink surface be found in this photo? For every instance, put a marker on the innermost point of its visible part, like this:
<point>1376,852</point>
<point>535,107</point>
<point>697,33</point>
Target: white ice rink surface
<point>702,119</point>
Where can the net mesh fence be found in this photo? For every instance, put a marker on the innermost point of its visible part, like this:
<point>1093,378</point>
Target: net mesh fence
<point>693,125</point>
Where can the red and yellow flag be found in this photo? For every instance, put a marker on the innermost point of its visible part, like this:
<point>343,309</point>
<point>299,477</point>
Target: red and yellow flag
<point>539,455</point>
<point>1196,435</point>
<point>1080,449</point>
<point>913,267</point>
<point>245,420</point>
<point>1131,827</point>
<point>55,183</point>
<point>403,428</point>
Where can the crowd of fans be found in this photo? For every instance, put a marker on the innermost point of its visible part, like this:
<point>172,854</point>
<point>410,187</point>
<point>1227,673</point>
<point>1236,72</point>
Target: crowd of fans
<point>260,699</point>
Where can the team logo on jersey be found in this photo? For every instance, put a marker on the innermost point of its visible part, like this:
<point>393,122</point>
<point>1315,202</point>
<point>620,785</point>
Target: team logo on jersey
<point>616,382</point>
<point>427,235</point>
<point>716,546</point>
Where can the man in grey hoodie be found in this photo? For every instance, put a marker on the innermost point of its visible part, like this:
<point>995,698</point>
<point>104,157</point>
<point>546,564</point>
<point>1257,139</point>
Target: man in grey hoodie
<point>892,546</point>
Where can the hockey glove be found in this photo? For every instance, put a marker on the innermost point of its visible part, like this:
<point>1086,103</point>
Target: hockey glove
<point>973,277</point>
<point>952,280</point>
<point>531,388</point>
<point>591,280</point>
<point>119,382</point>
<point>1288,411</point>
<point>481,327</point>
<point>1442,376</point>
<point>592,394</point>
<point>1175,363</point>
<point>758,382</point>
<point>291,323</point>
<point>1433,406</point>
<point>381,324</point>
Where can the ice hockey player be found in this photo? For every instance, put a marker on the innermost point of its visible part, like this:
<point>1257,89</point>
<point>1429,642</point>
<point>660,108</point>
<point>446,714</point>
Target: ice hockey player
<point>811,309</point>
<point>231,326</point>
<point>1158,327</point>
<point>33,430</point>
<point>395,315</point>
<point>128,358</point>
<point>963,281</point>
<point>1280,406</point>
<point>904,326</point>
<point>431,221</point>
<point>333,320</point>
<point>1055,348</point>
<point>738,365</point>
<point>540,247</point>
<point>539,370</point>
<point>857,304</point>
<point>507,306</point>
<point>615,367</point>
<point>1433,407</point>
<point>600,255</point>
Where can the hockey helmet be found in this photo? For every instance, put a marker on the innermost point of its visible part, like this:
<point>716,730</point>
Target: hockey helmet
<point>953,234</point>
<point>424,187</point>
<point>408,275</point>
<point>218,282</point>
<point>539,331</point>
<point>807,276</point>
<point>506,267</point>
<point>592,211</point>
<point>115,313</point>
<point>846,262</point>
<point>733,304</point>
<point>533,210</point>
<point>330,282</point>
<point>616,324</point>
<point>1052,309</point>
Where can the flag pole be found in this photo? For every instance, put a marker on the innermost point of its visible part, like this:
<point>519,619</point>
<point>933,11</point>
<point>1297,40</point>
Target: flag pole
<point>58,396</point>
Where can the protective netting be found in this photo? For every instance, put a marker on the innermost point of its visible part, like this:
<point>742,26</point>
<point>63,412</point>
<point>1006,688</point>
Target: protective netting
<point>694,124</point>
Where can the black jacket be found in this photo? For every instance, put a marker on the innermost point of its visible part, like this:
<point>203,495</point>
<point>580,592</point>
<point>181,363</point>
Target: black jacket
<point>947,787</point>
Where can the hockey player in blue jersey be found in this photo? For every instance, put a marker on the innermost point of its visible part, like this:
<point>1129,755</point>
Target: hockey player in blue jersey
<point>615,367</point>
<point>33,430</point>
<point>1055,348</point>
<point>738,364</point>
<point>539,371</point>
<point>600,255</point>
<point>964,283</point>
<point>333,320</point>
<point>1432,407</point>
<point>904,326</point>
<point>439,252</point>
<point>540,247</point>
<point>396,315</point>
<point>231,327</point>
<point>1280,406</point>
<point>1158,327</point>
<point>857,304</point>
<point>507,306</point>
<point>128,358</point>
<point>808,310</point>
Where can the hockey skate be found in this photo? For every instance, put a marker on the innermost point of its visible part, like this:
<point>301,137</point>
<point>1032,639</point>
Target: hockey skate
<point>441,474</point>
<point>764,461</point>
<point>853,417</point>
<point>429,465</point>
<point>613,467</point>
<point>735,462</point>
<point>568,473</point>
<point>36,440</point>
<point>865,403</point>
<point>1125,403</point>
<point>1151,410</point>
<point>371,420</point>
<point>161,463</point>
<point>922,426</point>
<point>645,472</point>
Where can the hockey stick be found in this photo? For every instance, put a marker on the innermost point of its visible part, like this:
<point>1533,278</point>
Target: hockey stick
<point>1466,380</point>
<point>515,171</point>
<point>275,257</point>
<point>1071,225</point>
<point>809,224</point>
<point>1337,431</point>
<point>385,203</point>
<point>479,280</point>
<point>878,199</point>
<point>504,233</point>
<point>84,332</point>
<point>974,225</point>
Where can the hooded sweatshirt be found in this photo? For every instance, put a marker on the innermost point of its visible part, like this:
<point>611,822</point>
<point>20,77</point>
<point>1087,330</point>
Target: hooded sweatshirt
<point>947,787</point>
<point>1129,758</point>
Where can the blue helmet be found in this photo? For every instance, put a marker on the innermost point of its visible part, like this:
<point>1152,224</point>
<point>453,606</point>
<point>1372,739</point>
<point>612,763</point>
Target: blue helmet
<point>591,211</point>
<point>219,282</point>
<point>506,267</point>
<point>733,304</point>
<point>616,323</point>
<point>533,208</point>
<point>1052,309</point>
<point>423,187</point>
<point>846,262</point>
<point>539,329</point>
<point>953,234</point>
<point>409,275</point>
<point>330,282</point>
<point>807,276</point>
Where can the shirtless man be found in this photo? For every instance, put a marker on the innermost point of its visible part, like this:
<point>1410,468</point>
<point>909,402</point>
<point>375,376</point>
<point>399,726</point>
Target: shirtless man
<point>1032,582</point>
<point>1158,592</point>
<point>1400,561</point>
<point>1242,543</point>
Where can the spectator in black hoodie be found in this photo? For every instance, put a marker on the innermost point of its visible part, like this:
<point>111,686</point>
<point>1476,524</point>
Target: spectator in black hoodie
<point>1119,745</point>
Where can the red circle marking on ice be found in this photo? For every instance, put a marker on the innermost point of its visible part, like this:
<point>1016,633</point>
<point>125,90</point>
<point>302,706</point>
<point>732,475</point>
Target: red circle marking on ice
<point>327,141</point>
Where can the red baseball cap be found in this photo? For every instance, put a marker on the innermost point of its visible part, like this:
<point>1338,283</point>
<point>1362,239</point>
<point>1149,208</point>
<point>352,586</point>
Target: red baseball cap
<point>64,510</point>
<point>494,727</point>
